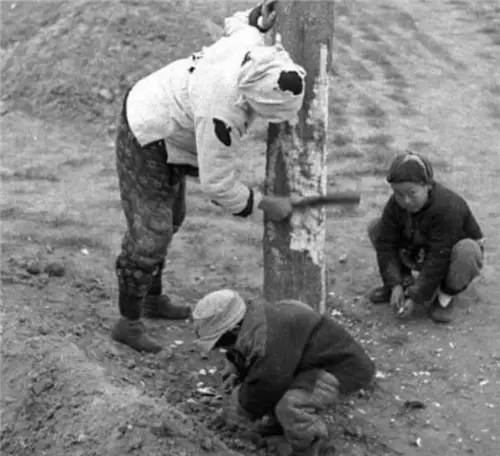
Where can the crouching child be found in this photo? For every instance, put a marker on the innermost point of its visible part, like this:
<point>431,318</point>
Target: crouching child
<point>288,363</point>
<point>427,228</point>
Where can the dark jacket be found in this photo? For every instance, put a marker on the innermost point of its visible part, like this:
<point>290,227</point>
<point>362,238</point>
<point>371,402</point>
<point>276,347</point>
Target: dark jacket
<point>445,220</point>
<point>277,341</point>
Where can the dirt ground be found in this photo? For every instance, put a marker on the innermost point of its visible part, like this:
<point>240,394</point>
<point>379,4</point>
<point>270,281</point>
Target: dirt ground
<point>424,74</point>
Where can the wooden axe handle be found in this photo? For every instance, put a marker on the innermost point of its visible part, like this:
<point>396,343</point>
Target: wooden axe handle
<point>348,198</point>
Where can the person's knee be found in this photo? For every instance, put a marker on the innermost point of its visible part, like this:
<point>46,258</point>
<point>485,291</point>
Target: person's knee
<point>466,248</point>
<point>374,230</point>
<point>312,390</point>
<point>286,406</point>
<point>300,420</point>
<point>466,255</point>
<point>326,390</point>
<point>148,249</point>
<point>135,265</point>
<point>154,250</point>
<point>465,265</point>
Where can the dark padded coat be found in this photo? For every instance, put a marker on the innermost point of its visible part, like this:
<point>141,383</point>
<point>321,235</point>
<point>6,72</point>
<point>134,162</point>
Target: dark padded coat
<point>277,341</point>
<point>445,220</point>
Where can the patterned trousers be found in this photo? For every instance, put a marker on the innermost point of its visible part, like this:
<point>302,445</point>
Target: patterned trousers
<point>153,199</point>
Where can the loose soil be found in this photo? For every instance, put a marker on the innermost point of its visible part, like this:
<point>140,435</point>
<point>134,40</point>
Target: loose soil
<point>418,74</point>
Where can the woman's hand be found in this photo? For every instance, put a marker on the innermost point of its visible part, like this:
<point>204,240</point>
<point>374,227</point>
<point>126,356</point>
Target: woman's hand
<point>264,16</point>
<point>269,15</point>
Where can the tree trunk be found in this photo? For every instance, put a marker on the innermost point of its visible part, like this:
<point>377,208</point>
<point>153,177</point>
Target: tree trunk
<point>294,260</point>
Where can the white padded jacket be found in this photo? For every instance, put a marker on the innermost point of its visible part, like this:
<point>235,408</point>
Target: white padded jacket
<point>179,103</point>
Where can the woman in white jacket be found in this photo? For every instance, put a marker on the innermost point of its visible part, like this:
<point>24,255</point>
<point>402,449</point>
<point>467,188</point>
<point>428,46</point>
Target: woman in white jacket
<point>188,118</point>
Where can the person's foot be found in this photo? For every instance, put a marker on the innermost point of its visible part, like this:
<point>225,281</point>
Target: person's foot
<point>162,307</point>
<point>133,334</point>
<point>380,295</point>
<point>440,314</point>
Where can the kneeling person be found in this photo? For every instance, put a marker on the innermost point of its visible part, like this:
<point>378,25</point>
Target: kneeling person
<point>291,363</point>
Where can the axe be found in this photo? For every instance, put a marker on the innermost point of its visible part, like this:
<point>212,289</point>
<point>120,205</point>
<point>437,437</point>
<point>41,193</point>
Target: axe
<point>347,198</point>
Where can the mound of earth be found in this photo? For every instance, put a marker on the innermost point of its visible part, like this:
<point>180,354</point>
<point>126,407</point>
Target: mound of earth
<point>57,402</point>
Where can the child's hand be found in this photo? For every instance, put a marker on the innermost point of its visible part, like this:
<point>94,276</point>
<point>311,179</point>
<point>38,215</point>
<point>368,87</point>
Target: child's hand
<point>397,297</point>
<point>406,309</point>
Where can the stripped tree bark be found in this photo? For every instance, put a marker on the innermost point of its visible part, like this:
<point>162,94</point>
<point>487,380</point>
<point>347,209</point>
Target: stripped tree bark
<point>294,260</point>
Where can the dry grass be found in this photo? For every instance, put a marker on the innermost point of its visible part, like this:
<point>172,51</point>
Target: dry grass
<point>107,46</point>
<point>77,162</point>
<point>419,146</point>
<point>398,97</point>
<point>75,242</point>
<point>30,174</point>
<point>373,110</point>
<point>343,35</point>
<point>337,104</point>
<point>494,108</point>
<point>488,12</point>
<point>380,139</point>
<point>359,70</point>
<point>22,21</point>
<point>103,56</point>
<point>489,30</point>
<point>459,3</point>
<point>494,89</point>
<point>341,139</point>
<point>349,152</point>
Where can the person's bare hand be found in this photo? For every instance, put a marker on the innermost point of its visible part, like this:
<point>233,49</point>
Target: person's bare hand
<point>406,309</point>
<point>397,297</point>
<point>277,208</point>
<point>230,383</point>
<point>269,14</point>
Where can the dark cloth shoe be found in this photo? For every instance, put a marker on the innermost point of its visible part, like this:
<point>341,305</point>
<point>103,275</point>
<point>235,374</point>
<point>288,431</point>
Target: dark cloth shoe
<point>162,307</point>
<point>380,295</point>
<point>133,334</point>
<point>440,314</point>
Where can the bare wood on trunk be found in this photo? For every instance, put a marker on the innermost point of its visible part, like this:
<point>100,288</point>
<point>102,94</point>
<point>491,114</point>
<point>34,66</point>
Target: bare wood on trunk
<point>294,260</point>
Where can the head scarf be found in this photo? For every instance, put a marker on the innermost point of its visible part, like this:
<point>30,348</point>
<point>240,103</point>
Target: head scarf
<point>410,167</point>
<point>272,83</point>
<point>215,314</point>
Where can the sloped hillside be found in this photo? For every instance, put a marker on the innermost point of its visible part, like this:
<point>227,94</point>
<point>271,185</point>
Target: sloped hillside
<point>73,60</point>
